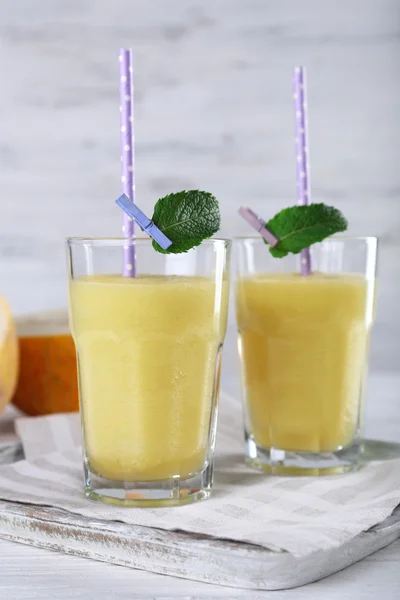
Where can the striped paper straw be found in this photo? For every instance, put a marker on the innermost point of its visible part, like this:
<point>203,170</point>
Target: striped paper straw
<point>127,155</point>
<point>302,165</point>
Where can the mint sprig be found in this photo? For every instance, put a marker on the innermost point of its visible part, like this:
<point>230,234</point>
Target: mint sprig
<point>299,227</point>
<point>186,218</point>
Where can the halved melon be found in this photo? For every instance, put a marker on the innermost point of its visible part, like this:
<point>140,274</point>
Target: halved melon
<point>48,375</point>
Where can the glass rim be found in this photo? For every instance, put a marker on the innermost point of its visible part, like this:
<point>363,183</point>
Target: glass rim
<point>120,241</point>
<point>333,238</point>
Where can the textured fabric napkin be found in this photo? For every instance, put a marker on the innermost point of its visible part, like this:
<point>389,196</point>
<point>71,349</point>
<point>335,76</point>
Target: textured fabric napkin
<point>300,515</point>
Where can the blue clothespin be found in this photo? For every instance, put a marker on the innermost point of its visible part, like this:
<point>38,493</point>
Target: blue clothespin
<point>144,222</point>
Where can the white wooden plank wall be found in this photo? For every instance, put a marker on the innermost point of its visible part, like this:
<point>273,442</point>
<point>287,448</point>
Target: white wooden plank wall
<point>213,110</point>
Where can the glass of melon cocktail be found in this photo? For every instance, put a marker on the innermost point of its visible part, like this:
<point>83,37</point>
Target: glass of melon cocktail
<point>149,352</point>
<point>303,345</point>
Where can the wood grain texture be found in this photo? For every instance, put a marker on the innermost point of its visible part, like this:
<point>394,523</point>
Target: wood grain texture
<point>184,555</point>
<point>30,573</point>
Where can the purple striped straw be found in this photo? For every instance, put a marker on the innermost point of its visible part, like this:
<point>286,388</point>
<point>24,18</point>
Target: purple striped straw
<point>302,165</point>
<point>127,155</point>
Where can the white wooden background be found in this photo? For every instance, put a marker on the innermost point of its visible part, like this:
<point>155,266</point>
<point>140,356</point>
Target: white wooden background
<point>213,110</point>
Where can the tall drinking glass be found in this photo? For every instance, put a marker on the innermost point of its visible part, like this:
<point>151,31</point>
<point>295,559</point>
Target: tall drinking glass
<point>149,352</point>
<point>303,343</point>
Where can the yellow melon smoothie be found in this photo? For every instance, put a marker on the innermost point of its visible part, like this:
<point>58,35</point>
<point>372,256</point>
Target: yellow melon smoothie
<point>303,344</point>
<point>304,310</point>
<point>148,351</point>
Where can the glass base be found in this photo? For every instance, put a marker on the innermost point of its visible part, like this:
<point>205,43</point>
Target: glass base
<point>148,494</point>
<point>284,462</point>
<point>379,450</point>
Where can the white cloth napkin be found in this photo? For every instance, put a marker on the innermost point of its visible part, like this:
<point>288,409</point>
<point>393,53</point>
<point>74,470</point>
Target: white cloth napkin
<point>300,515</point>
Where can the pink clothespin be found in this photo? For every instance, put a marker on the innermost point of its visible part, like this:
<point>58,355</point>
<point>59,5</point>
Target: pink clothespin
<point>259,225</point>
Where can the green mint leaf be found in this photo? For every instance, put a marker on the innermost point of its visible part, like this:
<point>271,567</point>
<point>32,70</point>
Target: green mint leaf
<point>187,218</point>
<point>299,227</point>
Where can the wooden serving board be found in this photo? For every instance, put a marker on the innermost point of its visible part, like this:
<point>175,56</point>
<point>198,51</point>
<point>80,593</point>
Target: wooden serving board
<point>190,556</point>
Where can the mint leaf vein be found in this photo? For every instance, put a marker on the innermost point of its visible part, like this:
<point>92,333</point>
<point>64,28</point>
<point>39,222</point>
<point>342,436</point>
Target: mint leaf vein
<point>187,218</point>
<point>299,227</point>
